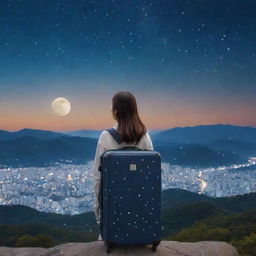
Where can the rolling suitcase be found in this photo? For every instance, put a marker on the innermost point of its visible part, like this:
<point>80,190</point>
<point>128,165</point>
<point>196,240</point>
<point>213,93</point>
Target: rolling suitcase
<point>130,196</point>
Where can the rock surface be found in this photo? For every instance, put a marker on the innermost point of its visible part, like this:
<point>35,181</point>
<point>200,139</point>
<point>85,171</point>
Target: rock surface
<point>97,248</point>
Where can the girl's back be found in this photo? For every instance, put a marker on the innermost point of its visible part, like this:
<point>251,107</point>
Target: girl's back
<point>109,142</point>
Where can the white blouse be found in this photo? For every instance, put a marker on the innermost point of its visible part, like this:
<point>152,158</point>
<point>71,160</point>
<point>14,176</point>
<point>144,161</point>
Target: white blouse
<point>105,142</point>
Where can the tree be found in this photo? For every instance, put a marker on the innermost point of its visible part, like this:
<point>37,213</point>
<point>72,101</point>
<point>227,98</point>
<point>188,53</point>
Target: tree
<point>40,240</point>
<point>247,245</point>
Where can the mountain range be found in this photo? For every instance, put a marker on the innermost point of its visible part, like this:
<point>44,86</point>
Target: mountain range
<point>205,134</point>
<point>184,215</point>
<point>30,151</point>
<point>26,132</point>
<point>198,146</point>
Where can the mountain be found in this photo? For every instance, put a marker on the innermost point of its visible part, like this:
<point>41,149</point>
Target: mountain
<point>20,214</point>
<point>12,235</point>
<point>173,198</point>
<point>241,147</point>
<point>238,225</point>
<point>197,156</point>
<point>188,217</point>
<point>30,151</point>
<point>184,216</point>
<point>201,134</point>
<point>238,203</point>
<point>173,201</point>
<point>96,133</point>
<point>197,216</point>
<point>85,133</point>
<point>206,145</point>
<point>204,134</point>
<point>39,134</point>
<point>176,197</point>
<point>238,229</point>
<point>216,145</point>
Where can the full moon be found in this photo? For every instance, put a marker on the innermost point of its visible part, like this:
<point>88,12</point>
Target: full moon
<point>61,106</point>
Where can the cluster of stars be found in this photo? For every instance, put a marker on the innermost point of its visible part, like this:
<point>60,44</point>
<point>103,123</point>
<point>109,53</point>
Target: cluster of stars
<point>170,41</point>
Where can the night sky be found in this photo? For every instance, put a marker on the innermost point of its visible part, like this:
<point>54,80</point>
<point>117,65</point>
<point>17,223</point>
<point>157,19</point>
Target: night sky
<point>187,62</point>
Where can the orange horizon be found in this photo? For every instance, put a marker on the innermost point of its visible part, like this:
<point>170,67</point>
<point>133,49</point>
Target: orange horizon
<point>159,111</point>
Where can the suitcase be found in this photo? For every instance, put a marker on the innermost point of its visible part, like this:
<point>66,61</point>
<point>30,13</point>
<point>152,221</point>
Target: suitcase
<point>130,196</point>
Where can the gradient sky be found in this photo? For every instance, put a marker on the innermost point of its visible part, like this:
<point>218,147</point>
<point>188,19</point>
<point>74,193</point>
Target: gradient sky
<point>186,62</point>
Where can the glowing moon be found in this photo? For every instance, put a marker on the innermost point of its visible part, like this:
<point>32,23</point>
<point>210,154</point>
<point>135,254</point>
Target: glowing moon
<point>61,106</point>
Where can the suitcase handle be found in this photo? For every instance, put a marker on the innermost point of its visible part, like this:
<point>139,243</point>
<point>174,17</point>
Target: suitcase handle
<point>123,148</point>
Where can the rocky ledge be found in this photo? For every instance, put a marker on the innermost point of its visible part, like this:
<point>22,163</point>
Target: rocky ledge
<point>97,248</point>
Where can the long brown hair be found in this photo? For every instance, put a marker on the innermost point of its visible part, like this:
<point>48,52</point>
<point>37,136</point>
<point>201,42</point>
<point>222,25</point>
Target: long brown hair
<point>130,126</point>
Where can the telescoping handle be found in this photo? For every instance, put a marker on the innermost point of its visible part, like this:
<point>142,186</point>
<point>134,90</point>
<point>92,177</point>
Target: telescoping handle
<point>123,148</point>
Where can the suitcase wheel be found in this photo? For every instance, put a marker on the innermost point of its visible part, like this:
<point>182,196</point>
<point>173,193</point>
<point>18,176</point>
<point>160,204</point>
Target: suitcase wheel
<point>109,246</point>
<point>154,246</point>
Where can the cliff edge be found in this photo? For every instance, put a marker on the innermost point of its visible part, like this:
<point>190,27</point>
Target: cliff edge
<point>97,248</point>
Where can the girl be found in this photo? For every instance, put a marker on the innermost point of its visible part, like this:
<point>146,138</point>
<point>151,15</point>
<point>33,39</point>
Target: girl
<point>133,133</point>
